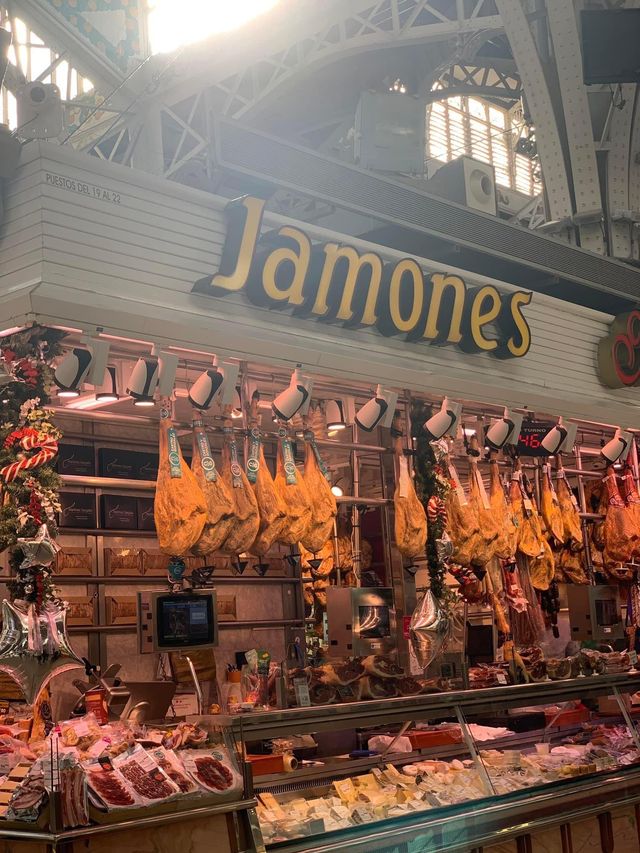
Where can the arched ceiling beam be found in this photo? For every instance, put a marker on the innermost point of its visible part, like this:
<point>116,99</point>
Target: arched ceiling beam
<point>556,178</point>
<point>242,84</point>
<point>377,29</point>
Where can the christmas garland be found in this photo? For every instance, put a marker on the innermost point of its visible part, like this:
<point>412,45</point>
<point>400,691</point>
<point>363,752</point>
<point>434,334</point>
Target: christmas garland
<point>431,487</point>
<point>28,443</point>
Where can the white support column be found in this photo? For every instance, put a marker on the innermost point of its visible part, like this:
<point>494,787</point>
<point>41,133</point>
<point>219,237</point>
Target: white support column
<point>634,177</point>
<point>148,154</point>
<point>575,104</point>
<point>556,179</point>
<point>619,173</point>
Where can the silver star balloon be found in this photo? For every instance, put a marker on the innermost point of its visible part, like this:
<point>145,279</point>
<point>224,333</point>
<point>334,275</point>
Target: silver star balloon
<point>34,647</point>
<point>431,629</point>
<point>39,551</point>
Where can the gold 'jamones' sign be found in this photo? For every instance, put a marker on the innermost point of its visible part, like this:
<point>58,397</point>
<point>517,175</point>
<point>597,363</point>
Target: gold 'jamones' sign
<point>338,284</point>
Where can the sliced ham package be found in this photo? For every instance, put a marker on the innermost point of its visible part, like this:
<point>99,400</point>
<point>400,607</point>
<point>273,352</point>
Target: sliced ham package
<point>213,769</point>
<point>171,764</point>
<point>108,786</point>
<point>145,777</point>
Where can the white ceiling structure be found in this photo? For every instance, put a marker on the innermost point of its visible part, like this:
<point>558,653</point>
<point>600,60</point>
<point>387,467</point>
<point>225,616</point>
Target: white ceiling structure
<point>298,72</point>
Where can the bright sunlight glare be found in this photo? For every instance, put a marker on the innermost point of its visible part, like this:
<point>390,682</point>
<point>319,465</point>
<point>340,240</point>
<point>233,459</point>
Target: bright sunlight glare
<point>173,23</point>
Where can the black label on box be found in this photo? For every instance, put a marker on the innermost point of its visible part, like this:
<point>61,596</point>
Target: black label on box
<point>145,514</point>
<point>77,510</point>
<point>76,459</point>
<point>128,464</point>
<point>117,463</point>
<point>147,467</point>
<point>119,512</point>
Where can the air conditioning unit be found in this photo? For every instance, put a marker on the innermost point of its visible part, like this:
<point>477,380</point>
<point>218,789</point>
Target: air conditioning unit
<point>40,111</point>
<point>466,181</point>
<point>389,133</point>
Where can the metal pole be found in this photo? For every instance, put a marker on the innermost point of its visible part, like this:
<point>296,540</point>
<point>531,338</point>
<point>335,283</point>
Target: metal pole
<point>196,683</point>
<point>583,507</point>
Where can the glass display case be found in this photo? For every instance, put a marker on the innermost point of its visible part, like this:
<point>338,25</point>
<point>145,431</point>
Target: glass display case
<point>448,771</point>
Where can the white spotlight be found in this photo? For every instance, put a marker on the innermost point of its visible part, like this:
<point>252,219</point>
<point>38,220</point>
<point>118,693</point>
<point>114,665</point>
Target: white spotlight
<point>444,422</point>
<point>236,411</point>
<point>334,413</point>
<point>617,449</point>
<point>337,491</point>
<point>294,399</point>
<point>204,390</point>
<point>110,394</point>
<point>217,382</point>
<point>143,381</point>
<point>506,430</point>
<point>82,365</point>
<point>378,411</point>
<point>560,438</point>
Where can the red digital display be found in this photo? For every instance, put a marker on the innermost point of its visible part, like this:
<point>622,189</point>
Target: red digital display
<point>531,435</point>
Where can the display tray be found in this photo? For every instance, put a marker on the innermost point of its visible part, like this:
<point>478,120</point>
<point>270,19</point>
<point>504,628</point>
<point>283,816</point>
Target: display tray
<point>103,818</point>
<point>476,822</point>
<point>268,724</point>
<point>135,818</point>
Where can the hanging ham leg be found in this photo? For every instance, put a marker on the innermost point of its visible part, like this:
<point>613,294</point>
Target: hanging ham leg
<point>273,513</point>
<point>505,545</point>
<point>572,527</point>
<point>246,515</point>
<point>220,506</point>
<point>324,508</point>
<point>410,518</point>
<point>179,508</point>
<point>294,493</point>
<point>550,507</point>
<point>621,535</point>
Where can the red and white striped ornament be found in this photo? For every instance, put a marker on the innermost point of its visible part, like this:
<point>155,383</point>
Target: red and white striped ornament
<point>48,447</point>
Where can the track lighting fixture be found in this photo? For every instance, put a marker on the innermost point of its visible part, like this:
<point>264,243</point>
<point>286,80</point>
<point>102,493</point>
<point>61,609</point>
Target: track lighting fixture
<point>110,394</point>
<point>82,364</point>
<point>296,398</point>
<point>504,431</point>
<point>560,438</point>
<point>334,414</point>
<point>216,383</point>
<point>152,374</point>
<point>444,422</point>
<point>617,449</point>
<point>378,411</point>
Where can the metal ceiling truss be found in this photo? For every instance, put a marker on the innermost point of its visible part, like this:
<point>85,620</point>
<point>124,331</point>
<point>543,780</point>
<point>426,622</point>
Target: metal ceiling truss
<point>382,24</point>
<point>487,80</point>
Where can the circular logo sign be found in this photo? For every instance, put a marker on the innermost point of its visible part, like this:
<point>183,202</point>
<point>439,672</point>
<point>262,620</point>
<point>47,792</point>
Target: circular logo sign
<point>252,465</point>
<point>174,459</point>
<point>290,469</point>
<point>236,470</point>
<point>208,464</point>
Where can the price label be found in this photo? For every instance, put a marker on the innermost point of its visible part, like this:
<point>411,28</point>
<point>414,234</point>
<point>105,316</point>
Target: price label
<point>301,689</point>
<point>531,435</point>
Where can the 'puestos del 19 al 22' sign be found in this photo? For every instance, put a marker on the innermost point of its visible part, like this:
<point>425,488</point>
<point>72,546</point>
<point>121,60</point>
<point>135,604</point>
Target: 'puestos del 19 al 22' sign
<point>337,283</point>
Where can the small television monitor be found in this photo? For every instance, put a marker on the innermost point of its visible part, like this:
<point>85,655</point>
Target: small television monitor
<point>611,45</point>
<point>169,622</point>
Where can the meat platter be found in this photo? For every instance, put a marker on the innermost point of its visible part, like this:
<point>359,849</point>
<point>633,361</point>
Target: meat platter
<point>212,770</point>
